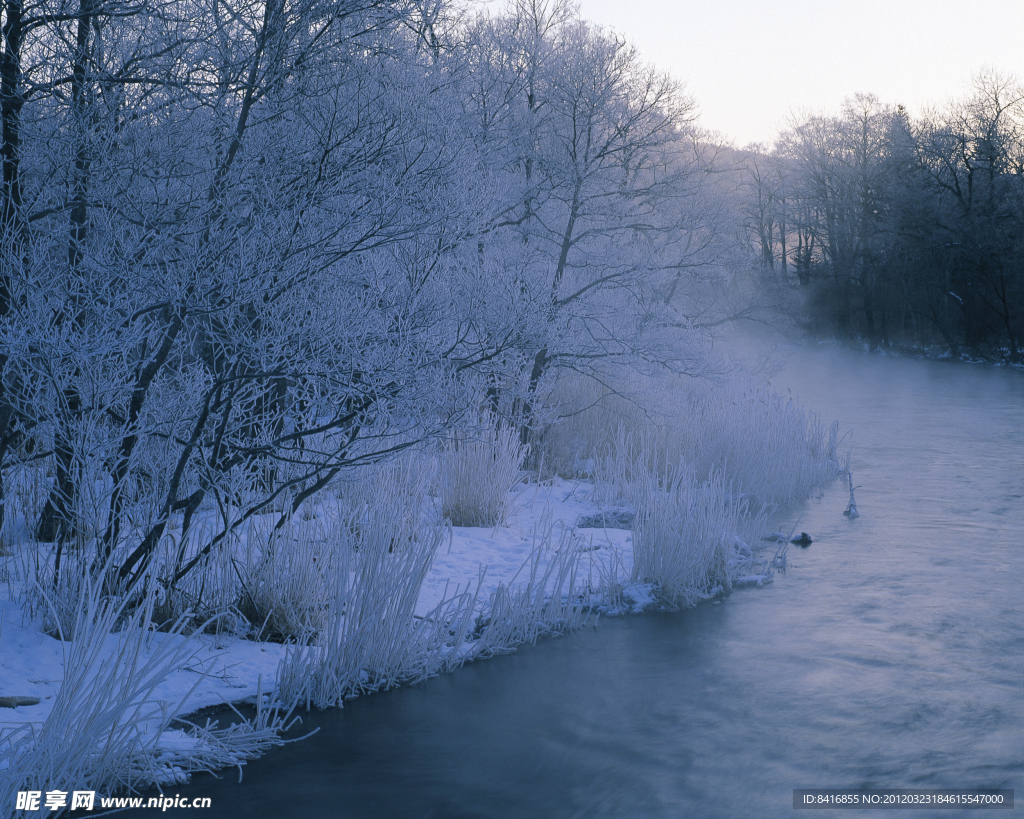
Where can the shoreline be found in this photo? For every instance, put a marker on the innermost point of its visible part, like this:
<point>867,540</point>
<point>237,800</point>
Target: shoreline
<point>227,665</point>
<point>216,669</point>
<point>936,353</point>
<point>397,614</point>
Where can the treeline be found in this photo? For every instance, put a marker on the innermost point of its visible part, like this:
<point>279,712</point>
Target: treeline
<point>902,231</point>
<point>247,246</point>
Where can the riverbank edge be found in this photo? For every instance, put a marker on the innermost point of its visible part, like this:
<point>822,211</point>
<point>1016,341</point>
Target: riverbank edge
<point>234,712</point>
<point>480,548</point>
<point>632,599</point>
<point>934,352</point>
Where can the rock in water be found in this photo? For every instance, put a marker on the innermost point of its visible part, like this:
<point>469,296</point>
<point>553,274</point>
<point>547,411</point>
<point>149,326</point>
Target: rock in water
<point>804,540</point>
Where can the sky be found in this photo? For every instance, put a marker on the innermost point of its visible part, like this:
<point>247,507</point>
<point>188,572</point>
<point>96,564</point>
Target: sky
<point>753,64</point>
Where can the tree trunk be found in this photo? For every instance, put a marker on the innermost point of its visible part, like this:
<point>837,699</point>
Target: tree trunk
<point>12,225</point>
<point>57,522</point>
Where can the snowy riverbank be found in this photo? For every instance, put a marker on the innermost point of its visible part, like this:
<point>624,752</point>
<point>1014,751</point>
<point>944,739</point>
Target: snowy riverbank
<point>370,585</point>
<point>214,670</point>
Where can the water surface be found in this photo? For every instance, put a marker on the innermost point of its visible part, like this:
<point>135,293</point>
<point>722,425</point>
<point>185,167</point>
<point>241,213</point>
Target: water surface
<point>891,654</point>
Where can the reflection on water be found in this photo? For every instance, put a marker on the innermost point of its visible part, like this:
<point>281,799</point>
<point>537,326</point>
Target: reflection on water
<point>890,655</point>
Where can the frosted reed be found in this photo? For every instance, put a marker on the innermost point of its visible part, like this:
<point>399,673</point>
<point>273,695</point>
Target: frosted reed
<point>548,602</point>
<point>105,729</point>
<point>478,470</point>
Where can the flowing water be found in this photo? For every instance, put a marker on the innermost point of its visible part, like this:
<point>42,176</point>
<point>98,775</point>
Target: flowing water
<point>890,655</point>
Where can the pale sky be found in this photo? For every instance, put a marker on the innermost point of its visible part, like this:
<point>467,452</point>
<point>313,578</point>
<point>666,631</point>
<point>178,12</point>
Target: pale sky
<point>751,63</point>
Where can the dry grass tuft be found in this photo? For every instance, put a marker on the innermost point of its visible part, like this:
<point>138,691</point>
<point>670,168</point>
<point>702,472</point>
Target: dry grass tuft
<point>478,470</point>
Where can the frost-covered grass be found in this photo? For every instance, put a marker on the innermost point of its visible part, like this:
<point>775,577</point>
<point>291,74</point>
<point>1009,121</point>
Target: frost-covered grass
<point>701,467</point>
<point>769,448</point>
<point>684,534</point>
<point>106,729</point>
<point>369,639</point>
<point>284,587</point>
<point>373,638</point>
<point>547,602</point>
<point>478,469</point>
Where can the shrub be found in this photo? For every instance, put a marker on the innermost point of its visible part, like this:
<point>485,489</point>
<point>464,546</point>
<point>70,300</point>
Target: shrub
<point>683,535</point>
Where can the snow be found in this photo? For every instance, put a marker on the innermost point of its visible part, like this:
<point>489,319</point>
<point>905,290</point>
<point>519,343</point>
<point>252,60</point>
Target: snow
<point>219,670</point>
<point>222,669</point>
<point>503,550</point>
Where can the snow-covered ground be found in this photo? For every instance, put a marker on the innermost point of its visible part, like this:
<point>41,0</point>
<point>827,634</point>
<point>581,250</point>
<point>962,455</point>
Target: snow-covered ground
<point>219,669</point>
<point>383,588</point>
<point>504,550</point>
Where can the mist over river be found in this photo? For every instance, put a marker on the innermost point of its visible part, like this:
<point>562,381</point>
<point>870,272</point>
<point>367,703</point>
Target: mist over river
<point>889,655</point>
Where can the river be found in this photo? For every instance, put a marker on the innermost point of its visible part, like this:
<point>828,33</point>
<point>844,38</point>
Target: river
<point>889,655</point>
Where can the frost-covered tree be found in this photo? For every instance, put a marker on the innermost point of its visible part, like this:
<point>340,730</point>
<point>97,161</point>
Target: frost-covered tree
<point>605,212</point>
<point>233,279</point>
<point>249,245</point>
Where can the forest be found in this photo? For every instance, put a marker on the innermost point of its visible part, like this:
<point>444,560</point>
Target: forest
<point>904,232</point>
<point>265,264</point>
<point>254,245</point>
<point>248,247</point>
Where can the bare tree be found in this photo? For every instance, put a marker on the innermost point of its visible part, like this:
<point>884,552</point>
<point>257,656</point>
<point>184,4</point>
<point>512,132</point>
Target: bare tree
<point>971,158</point>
